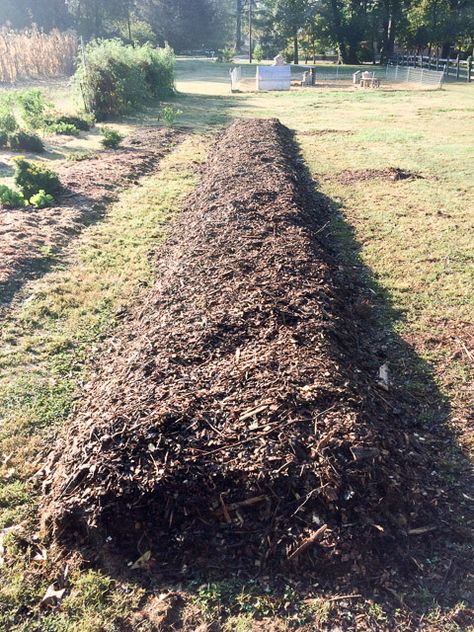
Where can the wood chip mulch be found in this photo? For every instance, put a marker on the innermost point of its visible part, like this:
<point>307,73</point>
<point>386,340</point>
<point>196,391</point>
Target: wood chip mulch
<point>235,420</point>
<point>28,237</point>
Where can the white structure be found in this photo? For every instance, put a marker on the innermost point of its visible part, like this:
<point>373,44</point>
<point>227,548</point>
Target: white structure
<point>273,77</point>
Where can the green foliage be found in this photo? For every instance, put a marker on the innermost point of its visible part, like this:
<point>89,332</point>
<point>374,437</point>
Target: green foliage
<point>78,156</point>
<point>25,141</point>
<point>68,129</point>
<point>258,53</point>
<point>9,198</point>
<point>169,114</point>
<point>83,122</point>
<point>41,199</point>
<point>8,122</point>
<point>33,108</point>
<point>31,177</point>
<point>116,78</point>
<point>111,139</point>
<point>3,139</point>
<point>228,55</point>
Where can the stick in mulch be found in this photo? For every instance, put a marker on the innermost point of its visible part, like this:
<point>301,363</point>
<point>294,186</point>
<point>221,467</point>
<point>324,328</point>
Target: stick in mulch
<point>307,543</point>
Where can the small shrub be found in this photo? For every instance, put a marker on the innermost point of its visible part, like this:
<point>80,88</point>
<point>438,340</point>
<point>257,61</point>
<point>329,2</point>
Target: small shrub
<point>25,141</point>
<point>41,199</point>
<point>258,53</point>
<point>8,122</point>
<point>33,108</point>
<point>228,55</point>
<point>111,139</point>
<point>169,115</point>
<point>67,129</point>
<point>9,198</point>
<point>83,122</point>
<point>31,177</point>
<point>3,139</point>
<point>77,156</point>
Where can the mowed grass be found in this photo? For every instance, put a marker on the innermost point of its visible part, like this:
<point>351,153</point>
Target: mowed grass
<point>414,236</point>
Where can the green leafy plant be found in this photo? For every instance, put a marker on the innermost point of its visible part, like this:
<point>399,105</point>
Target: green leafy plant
<point>169,114</point>
<point>116,78</point>
<point>3,139</point>
<point>228,55</point>
<point>258,53</point>
<point>78,156</point>
<point>83,122</point>
<point>8,122</point>
<point>33,108</point>
<point>41,199</point>
<point>25,141</point>
<point>111,139</point>
<point>67,129</point>
<point>31,177</point>
<point>9,198</point>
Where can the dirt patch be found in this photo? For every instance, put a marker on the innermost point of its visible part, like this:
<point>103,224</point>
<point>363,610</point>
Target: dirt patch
<point>236,422</point>
<point>28,238</point>
<point>326,132</point>
<point>391,174</point>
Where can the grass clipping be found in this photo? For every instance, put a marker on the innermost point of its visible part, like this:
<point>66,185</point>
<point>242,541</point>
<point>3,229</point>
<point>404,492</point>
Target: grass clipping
<point>232,423</point>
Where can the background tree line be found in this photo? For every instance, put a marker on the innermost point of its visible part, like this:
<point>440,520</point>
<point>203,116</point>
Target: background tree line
<point>358,30</point>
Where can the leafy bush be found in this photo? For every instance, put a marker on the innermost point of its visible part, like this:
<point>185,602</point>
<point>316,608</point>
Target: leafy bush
<point>33,108</point>
<point>63,128</point>
<point>31,177</point>
<point>42,199</point>
<point>3,138</point>
<point>169,115</point>
<point>25,141</point>
<point>8,122</point>
<point>116,77</point>
<point>228,55</point>
<point>258,53</point>
<point>83,122</point>
<point>9,198</point>
<point>111,139</point>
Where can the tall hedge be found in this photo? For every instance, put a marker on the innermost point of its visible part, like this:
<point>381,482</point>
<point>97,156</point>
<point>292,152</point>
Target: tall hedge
<point>115,78</point>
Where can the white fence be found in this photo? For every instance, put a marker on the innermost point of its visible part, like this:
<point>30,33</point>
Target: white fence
<point>408,74</point>
<point>452,68</point>
<point>235,77</point>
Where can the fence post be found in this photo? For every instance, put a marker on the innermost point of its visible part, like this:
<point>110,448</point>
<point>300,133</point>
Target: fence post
<point>421,76</point>
<point>448,61</point>
<point>457,67</point>
<point>396,73</point>
<point>469,68</point>
<point>408,74</point>
<point>437,62</point>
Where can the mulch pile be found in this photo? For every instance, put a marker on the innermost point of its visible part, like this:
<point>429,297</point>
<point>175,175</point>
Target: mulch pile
<point>29,236</point>
<point>235,420</point>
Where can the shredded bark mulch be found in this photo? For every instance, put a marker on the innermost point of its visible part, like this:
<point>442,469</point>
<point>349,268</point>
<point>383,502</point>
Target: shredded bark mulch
<point>235,420</point>
<point>29,237</point>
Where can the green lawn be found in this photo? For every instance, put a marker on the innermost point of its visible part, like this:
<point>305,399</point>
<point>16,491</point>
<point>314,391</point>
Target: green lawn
<point>414,238</point>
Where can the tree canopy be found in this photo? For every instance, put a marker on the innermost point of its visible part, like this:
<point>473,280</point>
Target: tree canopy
<point>359,30</point>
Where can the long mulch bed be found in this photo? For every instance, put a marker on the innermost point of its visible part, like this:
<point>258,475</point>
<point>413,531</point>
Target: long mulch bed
<point>29,237</point>
<point>237,421</point>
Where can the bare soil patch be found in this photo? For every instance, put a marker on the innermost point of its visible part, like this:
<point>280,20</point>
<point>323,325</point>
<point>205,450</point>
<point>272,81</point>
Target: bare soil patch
<point>391,174</point>
<point>29,237</point>
<point>236,423</point>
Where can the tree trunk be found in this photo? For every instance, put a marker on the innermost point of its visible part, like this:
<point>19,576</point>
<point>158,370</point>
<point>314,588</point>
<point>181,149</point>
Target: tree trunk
<point>238,26</point>
<point>295,49</point>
